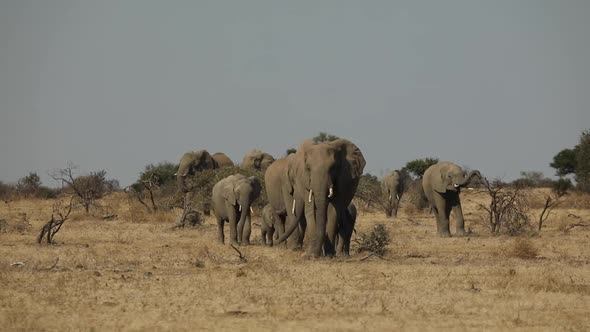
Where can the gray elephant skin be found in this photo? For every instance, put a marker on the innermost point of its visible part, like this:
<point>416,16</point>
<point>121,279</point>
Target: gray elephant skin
<point>393,188</point>
<point>280,197</point>
<point>322,180</point>
<point>442,183</point>
<point>267,226</point>
<point>257,160</point>
<point>232,198</point>
<point>196,161</point>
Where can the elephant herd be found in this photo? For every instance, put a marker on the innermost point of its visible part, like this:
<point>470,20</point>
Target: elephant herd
<point>314,188</point>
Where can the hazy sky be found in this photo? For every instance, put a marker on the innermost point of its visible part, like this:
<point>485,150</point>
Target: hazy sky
<point>501,86</point>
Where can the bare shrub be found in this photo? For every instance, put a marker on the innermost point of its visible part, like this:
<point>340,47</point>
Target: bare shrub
<point>87,189</point>
<point>507,209</point>
<point>58,218</point>
<point>522,248</point>
<point>375,242</point>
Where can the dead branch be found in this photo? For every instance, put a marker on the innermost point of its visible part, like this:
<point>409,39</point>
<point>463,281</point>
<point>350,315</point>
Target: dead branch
<point>58,218</point>
<point>550,204</point>
<point>240,256</point>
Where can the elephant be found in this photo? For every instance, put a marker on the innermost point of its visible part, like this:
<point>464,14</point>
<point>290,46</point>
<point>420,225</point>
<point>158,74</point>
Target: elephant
<point>393,188</point>
<point>222,160</point>
<point>343,239</point>
<point>196,161</point>
<point>322,180</point>
<point>442,183</point>
<point>232,199</point>
<point>257,160</point>
<point>275,182</point>
<point>267,227</point>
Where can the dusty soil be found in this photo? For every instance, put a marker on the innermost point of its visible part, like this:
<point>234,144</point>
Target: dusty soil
<point>133,273</point>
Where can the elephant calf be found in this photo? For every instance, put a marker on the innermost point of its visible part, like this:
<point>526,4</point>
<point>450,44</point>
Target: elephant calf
<point>267,227</point>
<point>231,201</point>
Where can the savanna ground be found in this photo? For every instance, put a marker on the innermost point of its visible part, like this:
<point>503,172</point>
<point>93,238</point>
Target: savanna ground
<point>133,273</point>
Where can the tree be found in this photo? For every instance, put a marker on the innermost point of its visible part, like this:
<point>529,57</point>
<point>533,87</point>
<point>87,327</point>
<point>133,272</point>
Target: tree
<point>290,151</point>
<point>583,162</point>
<point>418,166</point>
<point>31,186</point>
<point>86,188</point>
<point>565,161</point>
<point>532,179</point>
<point>369,191</point>
<point>324,137</point>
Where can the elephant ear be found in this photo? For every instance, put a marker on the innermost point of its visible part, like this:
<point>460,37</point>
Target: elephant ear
<point>207,161</point>
<point>441,182</point>
<point>355,158</point>
<point>229,193</point>
<point>296,167</point>
<point>256,186</point>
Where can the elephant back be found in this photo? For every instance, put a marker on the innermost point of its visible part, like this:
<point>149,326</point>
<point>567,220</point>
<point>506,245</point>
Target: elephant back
<point>222,160</point>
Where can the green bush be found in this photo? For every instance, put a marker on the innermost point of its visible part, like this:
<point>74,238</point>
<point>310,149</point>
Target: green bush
<point>418,166</point>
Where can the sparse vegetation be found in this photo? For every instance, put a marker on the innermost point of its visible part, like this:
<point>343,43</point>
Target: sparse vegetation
<point>575,161</point>
<point>417,167</point>
<point>131,267</point>
<point>324,137</point>
<point>86,188</point>
<point>507,209</point>
<point>368,193</point>
<point>375,242</point>
<point>523,248</point>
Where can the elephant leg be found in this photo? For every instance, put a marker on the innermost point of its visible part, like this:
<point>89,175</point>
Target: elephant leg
<point>247,231</point>
<point>233,225</point>
<point>302,228</point>
<point>395,208</point>
<point>331,231</point>
<point>220,235</point>
<point>263,234</point>
<point>442,211</point>
<point>280,226</point>
<point>270,233</point>
<point>458,212</point>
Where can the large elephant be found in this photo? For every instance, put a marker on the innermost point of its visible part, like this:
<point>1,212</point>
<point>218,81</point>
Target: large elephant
<point>344,236</point>
<point>322,180</point>
<point>232,198</point>
<point>196,161</point>
<point>257,160</point>
<point>393,187</point>
<point>280,197</point>
<point>442,183</point>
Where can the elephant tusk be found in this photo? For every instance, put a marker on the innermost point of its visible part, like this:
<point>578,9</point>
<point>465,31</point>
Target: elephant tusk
<point>293,209</point>
<point>240,207</point>
<point>310,194</point>
<point>397,197</point>
<point>331,192</point>
<point>456,185</point>
<point>390,197</point>
<point>251,210</point>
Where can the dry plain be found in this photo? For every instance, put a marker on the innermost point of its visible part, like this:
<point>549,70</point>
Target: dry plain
<point>135,274</point>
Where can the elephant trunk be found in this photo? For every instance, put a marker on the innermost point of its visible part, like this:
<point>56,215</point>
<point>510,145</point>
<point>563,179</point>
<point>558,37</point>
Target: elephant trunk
<point>244,212</point>
<point>320,215</point>
<point>468,177</point>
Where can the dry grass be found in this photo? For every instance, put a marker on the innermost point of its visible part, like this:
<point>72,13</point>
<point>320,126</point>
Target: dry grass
<point>122,275</point>
<point>522,248</point>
